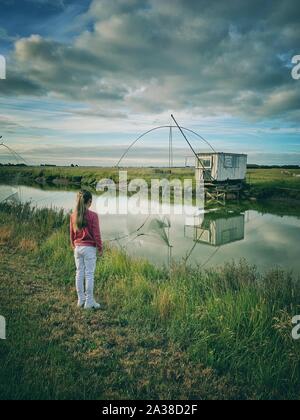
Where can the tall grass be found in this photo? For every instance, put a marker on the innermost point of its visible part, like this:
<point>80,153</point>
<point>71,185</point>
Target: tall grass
<point>231,319</point>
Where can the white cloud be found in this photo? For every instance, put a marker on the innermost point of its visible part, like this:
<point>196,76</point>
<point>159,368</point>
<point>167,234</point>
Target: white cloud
<point>140,60</point>
<point>151,56</point>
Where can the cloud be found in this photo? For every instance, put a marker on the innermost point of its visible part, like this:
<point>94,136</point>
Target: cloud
<point>148,56</point>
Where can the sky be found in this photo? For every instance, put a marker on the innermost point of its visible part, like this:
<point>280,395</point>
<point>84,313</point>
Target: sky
<point>85,78</point>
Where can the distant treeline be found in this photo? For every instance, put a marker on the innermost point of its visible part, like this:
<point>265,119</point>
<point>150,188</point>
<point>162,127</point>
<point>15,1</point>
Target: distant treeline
<point>22,165</point>
<point>251,166</point>
<point>42,166</point>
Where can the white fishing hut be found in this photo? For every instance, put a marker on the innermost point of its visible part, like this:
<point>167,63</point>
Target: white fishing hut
<point>221,167</point>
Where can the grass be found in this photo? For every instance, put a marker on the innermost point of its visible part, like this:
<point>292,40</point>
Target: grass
<point>88,176</point>
<point>277,178</point>
<point>218,334</point>
<point>263,184</point>
<point>275,184</point>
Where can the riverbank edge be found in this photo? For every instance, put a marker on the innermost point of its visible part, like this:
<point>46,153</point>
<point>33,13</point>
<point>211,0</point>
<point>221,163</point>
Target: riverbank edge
<point>251,192</point>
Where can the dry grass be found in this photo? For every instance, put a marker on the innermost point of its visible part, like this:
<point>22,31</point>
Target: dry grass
<point>28,245</point>
<point>6,234</point>
<point>164,303</point>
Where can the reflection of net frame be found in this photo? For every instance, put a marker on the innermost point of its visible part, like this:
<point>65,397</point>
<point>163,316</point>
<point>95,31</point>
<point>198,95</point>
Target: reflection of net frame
<point>2,67</point>
<point>2,328</point>
<point>13,193</point>
<point>9,194</point>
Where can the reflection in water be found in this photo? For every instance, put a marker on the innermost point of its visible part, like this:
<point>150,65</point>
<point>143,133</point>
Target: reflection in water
<point>9,193</point>
<point>153,229</point>
<point>160,229</point>
<point>262,239</point>
<point>217,230</point>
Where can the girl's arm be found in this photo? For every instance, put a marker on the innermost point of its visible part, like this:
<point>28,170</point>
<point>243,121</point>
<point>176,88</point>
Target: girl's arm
<point>97,234</point>
<point>72,233</point>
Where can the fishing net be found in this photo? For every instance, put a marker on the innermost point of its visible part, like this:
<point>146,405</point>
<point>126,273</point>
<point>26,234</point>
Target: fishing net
<point>10,164</point>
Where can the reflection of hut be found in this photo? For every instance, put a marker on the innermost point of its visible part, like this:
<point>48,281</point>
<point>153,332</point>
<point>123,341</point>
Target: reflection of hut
<point>218,231</point>
<point>221,167</point>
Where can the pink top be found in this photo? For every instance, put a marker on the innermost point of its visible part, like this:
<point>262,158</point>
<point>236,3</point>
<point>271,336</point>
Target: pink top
<point>88,236</point>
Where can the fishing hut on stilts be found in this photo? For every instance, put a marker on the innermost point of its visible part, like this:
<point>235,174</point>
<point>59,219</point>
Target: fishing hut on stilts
<point>223,174</point>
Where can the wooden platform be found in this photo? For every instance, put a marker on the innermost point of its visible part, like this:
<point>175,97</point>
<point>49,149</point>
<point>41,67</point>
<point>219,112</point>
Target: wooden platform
<point>220,192</point>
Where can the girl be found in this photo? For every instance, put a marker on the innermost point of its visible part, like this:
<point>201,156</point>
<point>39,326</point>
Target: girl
<point>85,240</point>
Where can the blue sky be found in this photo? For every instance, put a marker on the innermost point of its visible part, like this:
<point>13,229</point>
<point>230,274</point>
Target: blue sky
<point>54,19</point>
<point>85,78</point>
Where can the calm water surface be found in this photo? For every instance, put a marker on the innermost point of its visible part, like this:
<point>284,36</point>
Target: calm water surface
<point>208,240</point>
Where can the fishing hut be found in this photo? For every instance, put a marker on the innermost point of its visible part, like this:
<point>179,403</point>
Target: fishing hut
<point>221,167</point>
<point>223,174</point>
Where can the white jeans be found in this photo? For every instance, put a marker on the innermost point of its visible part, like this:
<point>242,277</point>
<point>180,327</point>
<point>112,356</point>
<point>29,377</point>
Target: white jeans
<point>85,259</point>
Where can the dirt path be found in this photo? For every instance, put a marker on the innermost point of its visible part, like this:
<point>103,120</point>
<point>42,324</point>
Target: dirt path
<point>56,351</point>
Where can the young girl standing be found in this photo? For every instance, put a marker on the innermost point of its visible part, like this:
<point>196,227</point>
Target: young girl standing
<point>85,240</point>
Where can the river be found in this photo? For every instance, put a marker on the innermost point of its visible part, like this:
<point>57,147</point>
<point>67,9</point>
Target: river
<point>207,239</point>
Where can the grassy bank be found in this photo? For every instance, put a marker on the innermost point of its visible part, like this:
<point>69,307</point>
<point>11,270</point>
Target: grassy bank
<point>275,184</point>
<point>217,334</point>
<point>87,176</point>
<point>277,178</point>
<point>263,184</point>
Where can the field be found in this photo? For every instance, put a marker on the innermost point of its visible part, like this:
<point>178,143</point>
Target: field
<point>183,333</point>
<point>274,178</point>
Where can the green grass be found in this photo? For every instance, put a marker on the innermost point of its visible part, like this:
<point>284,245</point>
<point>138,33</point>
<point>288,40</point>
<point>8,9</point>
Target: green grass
<point>88,175</point>
<point>280,178</point>
<point>263,184</point>
<point>223,333</point>
<point>278,184</point>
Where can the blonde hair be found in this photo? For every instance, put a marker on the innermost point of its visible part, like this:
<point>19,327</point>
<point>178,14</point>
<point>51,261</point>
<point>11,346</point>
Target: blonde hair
<point>83,198</point>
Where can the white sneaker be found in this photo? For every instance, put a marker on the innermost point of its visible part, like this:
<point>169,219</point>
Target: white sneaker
<point>93,305</point>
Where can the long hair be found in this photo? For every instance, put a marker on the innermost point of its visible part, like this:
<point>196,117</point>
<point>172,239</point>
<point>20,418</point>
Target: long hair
<point>83,198</point>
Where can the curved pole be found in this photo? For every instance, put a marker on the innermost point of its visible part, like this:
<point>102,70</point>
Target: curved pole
<point>138,139</point>
<point>200,137</point>
<point>11,152</point>
<point>15,154</point>
<point>160,128</point>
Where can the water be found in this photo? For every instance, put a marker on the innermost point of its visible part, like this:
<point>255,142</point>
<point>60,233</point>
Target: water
<point>208,240</point>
